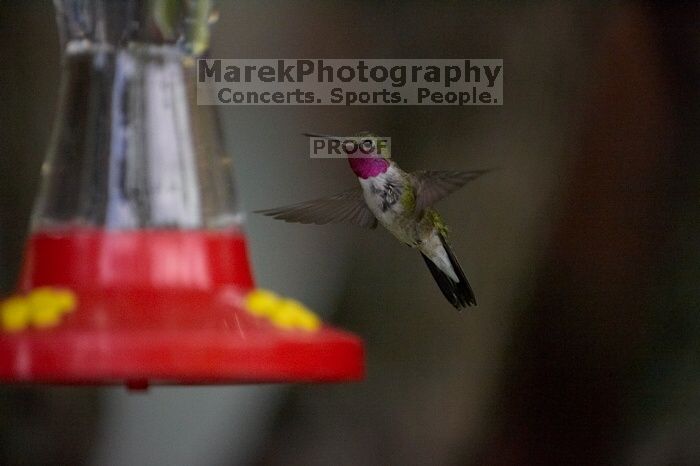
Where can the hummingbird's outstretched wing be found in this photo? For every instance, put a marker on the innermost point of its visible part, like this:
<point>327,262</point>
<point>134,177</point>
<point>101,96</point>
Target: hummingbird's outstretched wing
<point>346,207</point>
<point>432,186</point>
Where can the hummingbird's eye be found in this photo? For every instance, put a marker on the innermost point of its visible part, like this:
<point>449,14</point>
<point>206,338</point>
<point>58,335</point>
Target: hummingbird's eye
<point>367,146</point>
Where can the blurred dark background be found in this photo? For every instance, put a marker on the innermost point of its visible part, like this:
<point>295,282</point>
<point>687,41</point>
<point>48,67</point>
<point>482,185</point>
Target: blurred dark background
<point>584,249</point>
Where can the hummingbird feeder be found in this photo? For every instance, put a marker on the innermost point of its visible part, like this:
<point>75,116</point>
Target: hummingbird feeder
<point>136,269</point>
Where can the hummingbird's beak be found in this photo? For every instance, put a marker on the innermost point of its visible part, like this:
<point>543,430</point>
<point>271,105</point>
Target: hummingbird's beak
<point>324,136</point>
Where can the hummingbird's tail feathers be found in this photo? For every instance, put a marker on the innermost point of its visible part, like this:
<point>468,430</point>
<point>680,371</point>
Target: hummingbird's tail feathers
<point>460,293</point>
<point>465,292</point>
<point>447,286</point>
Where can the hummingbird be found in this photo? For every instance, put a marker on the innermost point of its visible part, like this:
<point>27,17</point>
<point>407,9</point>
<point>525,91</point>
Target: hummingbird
<point>402,203</point>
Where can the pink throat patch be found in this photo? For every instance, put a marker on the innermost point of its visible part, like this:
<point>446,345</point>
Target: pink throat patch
<point>368,167</point>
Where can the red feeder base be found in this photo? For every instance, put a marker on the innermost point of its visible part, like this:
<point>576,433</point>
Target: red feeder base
<point>162,307</point>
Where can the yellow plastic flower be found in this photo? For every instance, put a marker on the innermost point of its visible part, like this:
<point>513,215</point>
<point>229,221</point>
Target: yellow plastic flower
<point>293,314</point>
<point>283,313</point>
<point>42,308</point>
<point>45,316</point>
<point>262,302</point>
<point>65,300</point>
<point>14,314</point>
